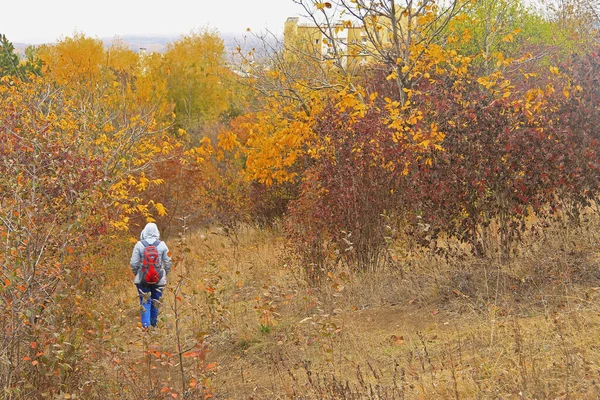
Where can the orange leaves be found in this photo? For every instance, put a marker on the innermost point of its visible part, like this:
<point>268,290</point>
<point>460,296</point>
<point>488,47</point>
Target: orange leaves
<point>72,59</point>
<point>210,289</point>
<point>199,352</point>
<point>228,142</point>
<point>274,144</point>
<point>351,102</point>
<point>210,366</point>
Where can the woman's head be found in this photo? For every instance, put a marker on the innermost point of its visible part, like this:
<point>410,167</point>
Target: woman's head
<point>150,231</point>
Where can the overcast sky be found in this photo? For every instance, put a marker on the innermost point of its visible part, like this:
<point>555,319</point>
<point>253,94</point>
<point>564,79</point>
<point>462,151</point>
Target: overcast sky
<point>40,21</point>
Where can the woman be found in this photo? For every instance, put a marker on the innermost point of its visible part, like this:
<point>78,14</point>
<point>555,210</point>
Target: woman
<point>150,294</point>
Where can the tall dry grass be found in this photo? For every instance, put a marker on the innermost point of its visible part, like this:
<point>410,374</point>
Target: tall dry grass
<point>425,327</point>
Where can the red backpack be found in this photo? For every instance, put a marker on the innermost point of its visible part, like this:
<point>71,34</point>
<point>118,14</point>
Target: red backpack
<point>151,265</point>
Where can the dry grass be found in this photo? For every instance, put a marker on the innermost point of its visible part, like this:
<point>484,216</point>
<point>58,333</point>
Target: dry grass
<point>426,328</point>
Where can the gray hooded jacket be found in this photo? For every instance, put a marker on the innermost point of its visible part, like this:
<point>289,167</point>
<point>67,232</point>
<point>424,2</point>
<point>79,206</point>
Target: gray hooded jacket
<point>150,234</point>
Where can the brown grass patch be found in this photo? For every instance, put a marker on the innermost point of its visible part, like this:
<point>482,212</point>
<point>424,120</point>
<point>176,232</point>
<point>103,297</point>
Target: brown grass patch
<point>427,327</point>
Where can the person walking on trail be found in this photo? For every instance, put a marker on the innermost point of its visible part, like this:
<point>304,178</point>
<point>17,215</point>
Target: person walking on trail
<point>150,263</point>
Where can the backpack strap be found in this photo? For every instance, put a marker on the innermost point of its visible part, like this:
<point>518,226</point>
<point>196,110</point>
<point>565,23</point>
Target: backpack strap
<point>146,244</point>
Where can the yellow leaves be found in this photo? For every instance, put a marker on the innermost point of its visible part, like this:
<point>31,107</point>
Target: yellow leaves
<point>351,102</point>
<point>436,53</point>
<point>510,37</point>
<point>486,81</point>
<point>108,127</point>
<point>74,61</point>
<point>120,225</point>
<point>496,84</point>
<point>466,36</point>
<point>554,70</point>
<point>197,69</point>
<point>228,141</point>
<point>322,6</point>
<point>143,183</point>
<point>272,140</point>
<point>160,209</point>
<point>533,95</point>
<point>121,58</point>
<point>392,76</point>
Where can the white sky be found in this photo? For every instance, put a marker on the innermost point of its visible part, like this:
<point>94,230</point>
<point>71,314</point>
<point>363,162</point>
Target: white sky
<point>40,21</point>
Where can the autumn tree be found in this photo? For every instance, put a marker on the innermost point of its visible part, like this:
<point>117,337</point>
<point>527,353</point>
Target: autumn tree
<point>194,67</point>
<point>124,110</point>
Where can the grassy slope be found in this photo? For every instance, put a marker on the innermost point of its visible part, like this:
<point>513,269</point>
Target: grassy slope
<point>431,328</point>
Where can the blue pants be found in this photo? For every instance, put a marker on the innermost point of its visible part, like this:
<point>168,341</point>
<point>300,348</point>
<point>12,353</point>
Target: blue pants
<point>150,301</point>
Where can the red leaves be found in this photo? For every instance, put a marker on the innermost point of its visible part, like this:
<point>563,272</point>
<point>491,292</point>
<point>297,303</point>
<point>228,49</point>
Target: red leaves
<point>501,158</point>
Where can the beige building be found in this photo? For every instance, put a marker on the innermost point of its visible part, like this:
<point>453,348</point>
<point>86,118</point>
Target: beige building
<point>355,44</point>
<point>350,41</point>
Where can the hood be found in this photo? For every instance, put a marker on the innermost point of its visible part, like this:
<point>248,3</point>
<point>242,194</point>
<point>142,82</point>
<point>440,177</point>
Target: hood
<point>150,233</point>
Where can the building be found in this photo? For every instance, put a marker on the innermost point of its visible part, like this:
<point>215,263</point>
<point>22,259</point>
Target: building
<point>350,40</point>
<point>356,44</point>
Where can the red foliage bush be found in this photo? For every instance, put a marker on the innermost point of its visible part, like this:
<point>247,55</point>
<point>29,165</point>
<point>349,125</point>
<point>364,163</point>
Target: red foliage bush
<point>347,190</point>
<point>505,156</point>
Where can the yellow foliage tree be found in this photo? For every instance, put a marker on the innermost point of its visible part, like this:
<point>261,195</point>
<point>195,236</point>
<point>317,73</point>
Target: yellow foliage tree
<point>195,70</point>
<point>123,112</point>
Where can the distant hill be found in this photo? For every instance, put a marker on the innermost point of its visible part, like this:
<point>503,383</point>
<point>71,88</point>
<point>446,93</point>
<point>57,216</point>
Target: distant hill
<point>158,44</point>
<point>20,48</point>
<point>152,44</point>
